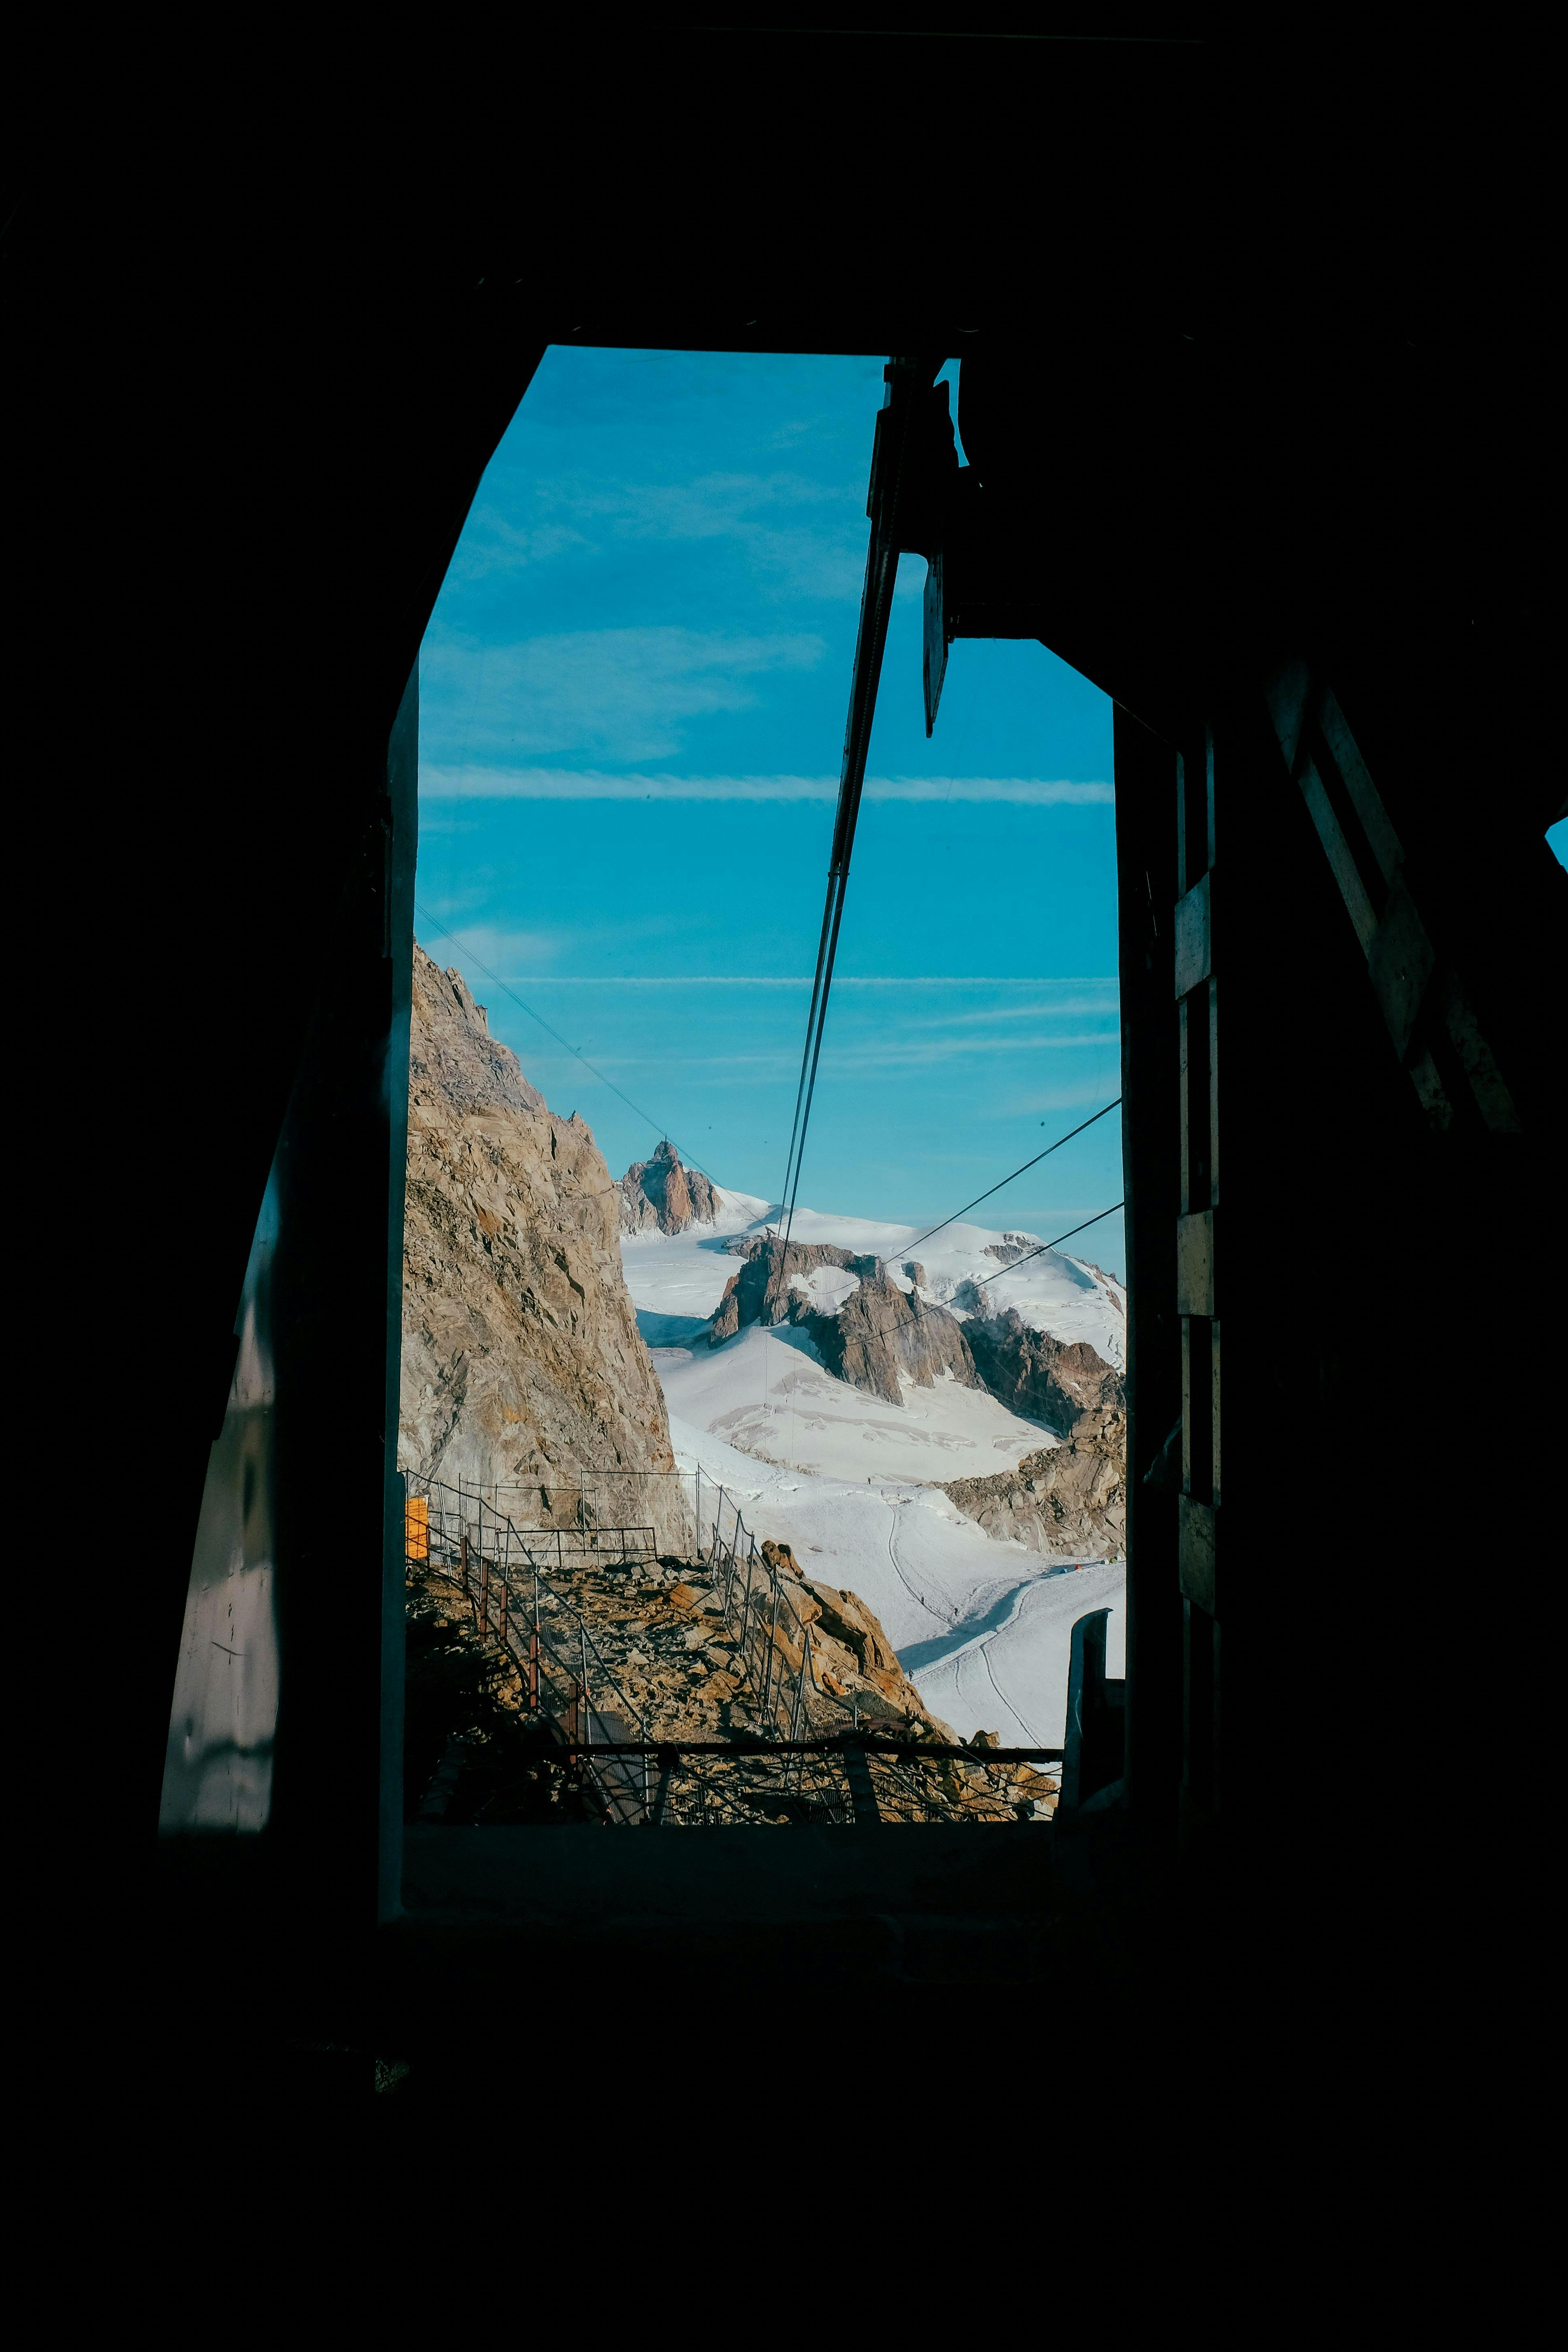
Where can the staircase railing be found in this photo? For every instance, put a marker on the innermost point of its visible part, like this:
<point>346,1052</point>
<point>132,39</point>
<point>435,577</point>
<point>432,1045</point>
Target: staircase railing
<point>784,1770</point>
<point>774,1641</point>
<point>459,1538</point>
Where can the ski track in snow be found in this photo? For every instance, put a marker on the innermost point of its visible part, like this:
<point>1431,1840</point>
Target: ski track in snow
<point>919,1598</point>
<point>850,1481</point>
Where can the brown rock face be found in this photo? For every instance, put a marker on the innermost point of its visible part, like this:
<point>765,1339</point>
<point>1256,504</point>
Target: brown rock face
<point>1066,1384</point>
<point>879,1332</point>
<point>1063,1500</point>
<point>661,1195</point>
<point>726,1316</point>
<point>763,1290</point>
<point>1011,1247</point>
<point>523,1369</point>
<point>845,1617</point>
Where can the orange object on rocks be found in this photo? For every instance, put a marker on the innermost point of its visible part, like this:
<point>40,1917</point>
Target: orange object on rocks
<point>416,1529</point>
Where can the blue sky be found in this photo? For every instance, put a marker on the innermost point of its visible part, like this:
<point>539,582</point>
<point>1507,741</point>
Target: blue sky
<point>633,695</point>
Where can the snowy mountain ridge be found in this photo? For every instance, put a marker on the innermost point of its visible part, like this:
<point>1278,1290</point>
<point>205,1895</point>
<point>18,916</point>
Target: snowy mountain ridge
<point>964,1267</point>
<point>975,1531</point>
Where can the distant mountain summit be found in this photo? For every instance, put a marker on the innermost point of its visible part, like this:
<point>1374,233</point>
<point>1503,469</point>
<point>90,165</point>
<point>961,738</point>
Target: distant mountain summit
<point>659,1195</point>
<point>866,1330</point>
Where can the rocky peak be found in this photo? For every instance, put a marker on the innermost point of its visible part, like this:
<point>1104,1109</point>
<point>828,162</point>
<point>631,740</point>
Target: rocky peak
<point>867,1339</point>
<point>457,1063</point>
<point>774,1285</point>
<point>661,1195</point>
<point>1011,1247</point>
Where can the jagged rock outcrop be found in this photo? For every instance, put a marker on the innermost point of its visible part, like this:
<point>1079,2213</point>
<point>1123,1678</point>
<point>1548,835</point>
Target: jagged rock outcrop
<point>522,1368</point>
<point>1066,1384</point>
<point>1011,1247</point>
<point>659,1628</point>
<point>1066,1500</point>
<point>882,1331</point>
<point>661,1195</point>
<point>725,1319</point>
<point>775,1283</point>
<point>866,1337</point>
<point>850,1651</point>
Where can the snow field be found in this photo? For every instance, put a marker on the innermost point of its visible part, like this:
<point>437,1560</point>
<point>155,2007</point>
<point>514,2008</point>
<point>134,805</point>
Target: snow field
<point>825,1288</point>
<point>983,1628</point>
<point>767,1392</point>
<point>685,1273</point>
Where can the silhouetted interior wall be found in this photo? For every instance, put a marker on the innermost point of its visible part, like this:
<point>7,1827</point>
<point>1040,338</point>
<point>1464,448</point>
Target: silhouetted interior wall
<point>1239,412</point>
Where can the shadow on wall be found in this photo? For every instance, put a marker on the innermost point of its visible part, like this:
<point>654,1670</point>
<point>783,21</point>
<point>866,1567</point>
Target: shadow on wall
<point>217,1772</point>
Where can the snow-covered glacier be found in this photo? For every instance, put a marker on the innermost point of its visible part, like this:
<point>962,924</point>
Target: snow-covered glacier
<point>852,1482</point>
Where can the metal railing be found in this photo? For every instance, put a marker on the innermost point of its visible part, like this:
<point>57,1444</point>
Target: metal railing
<point>787,1768</point>
<point>879,1780</point>
<point>454,1537</point>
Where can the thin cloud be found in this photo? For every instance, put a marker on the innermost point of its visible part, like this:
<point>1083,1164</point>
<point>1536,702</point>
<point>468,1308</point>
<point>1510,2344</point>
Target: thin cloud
<point>623,694</point>
<point>1069,1098</point>
<point>438,782</point>
<point>708,506</point>
<point>801,537</point>
<point>988,1014</point>
<point>893,1053</point>
<point>805,538</point>
<point>486,943</point>
<point>493,545</point>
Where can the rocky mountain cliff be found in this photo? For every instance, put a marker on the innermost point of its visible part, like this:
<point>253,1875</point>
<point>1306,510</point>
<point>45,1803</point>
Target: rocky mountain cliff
<point>1064,1500</point>
<point>1065,1384</point>
<point>867,1333</point>
<point>661,1195</point>
<point>522,1368</point>
<point>867,1330</point>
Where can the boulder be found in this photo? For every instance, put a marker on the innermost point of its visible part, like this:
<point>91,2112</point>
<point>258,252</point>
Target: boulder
<point>848,1619</point>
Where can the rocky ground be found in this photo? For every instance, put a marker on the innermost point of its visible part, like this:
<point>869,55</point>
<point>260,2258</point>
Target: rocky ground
<point>666,1664</point>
